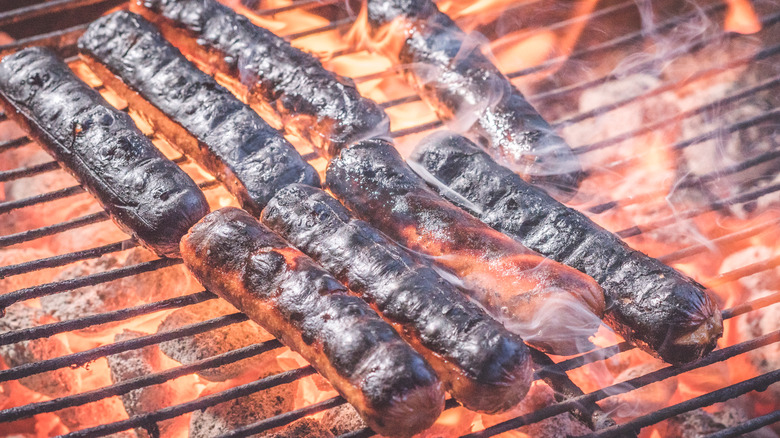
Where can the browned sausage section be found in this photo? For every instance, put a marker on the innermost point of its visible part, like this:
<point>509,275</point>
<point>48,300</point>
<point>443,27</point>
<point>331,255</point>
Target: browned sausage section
<point>292,297</point>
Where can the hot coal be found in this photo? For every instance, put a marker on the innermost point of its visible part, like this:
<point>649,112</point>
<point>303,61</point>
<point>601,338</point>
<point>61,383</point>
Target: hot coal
<point>213,342</point>
<point>200,117</point>
<point>342,419</point>
<point>118,294</point>
<point>147,195</point>
<point>315,104</point>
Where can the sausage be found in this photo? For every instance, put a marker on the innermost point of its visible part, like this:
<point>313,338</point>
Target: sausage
<point>485,367</point>
<point>649,303</point>
<point>317,105</point>
<point>146,194</point>
<point>296,300</point>
<point>551,306</point>
<point>198,116</point>
<point>469,93</point>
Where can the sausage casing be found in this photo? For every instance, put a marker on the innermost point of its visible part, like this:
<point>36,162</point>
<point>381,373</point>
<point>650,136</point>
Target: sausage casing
<point>197,115</point>
<point>308,100</point>
<point>649,303</point>
<point>146,194</point>
<point>531,295</point>
<point>292,297</point>
<point>486,367</point>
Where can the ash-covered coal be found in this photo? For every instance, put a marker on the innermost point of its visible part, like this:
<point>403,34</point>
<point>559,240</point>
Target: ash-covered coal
<point>214,342</point>
<point>141,362</point>
<point>305,427</point>
<point>118,294</point>
<point>342,419</point>
<point>13,256</point>
<point>225,417</point>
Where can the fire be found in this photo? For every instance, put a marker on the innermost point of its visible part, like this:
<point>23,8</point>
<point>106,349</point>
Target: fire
<point>642,176</point>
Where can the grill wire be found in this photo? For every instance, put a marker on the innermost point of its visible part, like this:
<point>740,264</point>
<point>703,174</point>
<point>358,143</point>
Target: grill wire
<point>583,405</point>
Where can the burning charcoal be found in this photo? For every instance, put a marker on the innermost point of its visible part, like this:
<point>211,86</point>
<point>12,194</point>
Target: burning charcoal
<point>342,419</point>
<point>305,427</point>
<point>141,362</point>
<point>15,256</point>
<point>643,400</point>
<point>118,294</point>
<point>55,383</point>
<point>224,417</point>
<point>699,423</point>
<point>213,342</point>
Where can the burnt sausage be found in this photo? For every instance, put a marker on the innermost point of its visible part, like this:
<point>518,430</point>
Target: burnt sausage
<point>469,93</point>
<point>649,303</point>
<point>485,367</point>
<point>146,194</point>
<point>296,300</point>
<point>317,105</point>
<point>198,116</point>
<point>551,306</point>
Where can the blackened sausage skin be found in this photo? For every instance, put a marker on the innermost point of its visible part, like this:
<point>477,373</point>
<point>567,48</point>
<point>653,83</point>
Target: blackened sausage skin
<point>146,194</point>
<point>296,300</point>
<point>486,367</point>
<point>463,87</point>
<point>530,294</point>
<point>649,303</point>
<point>200,117</point>
<point>310,101</point>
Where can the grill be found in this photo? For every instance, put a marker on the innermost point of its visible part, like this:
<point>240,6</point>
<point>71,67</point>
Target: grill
<point>554,82</point>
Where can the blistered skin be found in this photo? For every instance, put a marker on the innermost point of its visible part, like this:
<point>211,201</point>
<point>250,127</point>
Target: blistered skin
<point>146,194</point>
<point>315,104</point>
<point>466,90</point>
<point>486,367</point>
<point>649,303</point>
<point>200,117</point>
<point>296,300</point>
<point>531,295</point>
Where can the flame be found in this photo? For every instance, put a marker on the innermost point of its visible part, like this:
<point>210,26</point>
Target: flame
<point>741,17</point>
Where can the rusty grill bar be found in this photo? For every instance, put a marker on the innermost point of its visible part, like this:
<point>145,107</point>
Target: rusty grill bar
<point>65,40</point>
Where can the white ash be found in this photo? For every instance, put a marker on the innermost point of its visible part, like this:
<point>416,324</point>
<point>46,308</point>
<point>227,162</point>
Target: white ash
<point>118,294</point>
<point>137,363</point>
<point>55,383</point>
<point>214,342</point>
<point>305,427</point>
<point>342,419</point>
<point>225,417</point>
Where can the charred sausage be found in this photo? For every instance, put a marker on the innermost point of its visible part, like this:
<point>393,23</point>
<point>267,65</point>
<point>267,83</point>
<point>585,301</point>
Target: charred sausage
<point>530,294</point>
<point>486,367</point>
<point>649,303</point>
<point>292,297</point>
<point>467,91</point>
<point>146,194</point>
<point>315,104</point>
<point>200,117</point>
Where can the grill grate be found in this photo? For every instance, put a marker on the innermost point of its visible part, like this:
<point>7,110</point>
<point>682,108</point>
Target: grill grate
<point>574,401</point>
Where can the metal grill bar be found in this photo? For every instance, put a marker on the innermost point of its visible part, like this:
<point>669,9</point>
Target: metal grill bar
<point>295,5</point>
<point>200,403</point>
<point>52,329</point>
<point>15,143</point>
<point>86,280</point>
<point>84,357</point>
<point>46,8</point>
<point>719,242</point>
<point>284,419</point>
<point>635,383</point>
<point>748,426</point>
<point>49,230</point>
<point>64,259</point>
<point>126,386</point>
<point>729,392</point>
<point>7,206</point>
<point>9,175</point>
<point>62,39</point>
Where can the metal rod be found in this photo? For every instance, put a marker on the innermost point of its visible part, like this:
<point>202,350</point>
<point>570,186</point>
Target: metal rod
<point>284,419</point>
<point>295,5</point>
<point>64,259</point>
<point>14,143</point>
<point>62,39</point>
<point>748,426</point>
<point>84,357</point>
<point>630,385</point>
<point>732,391</point>
<point>120,388</point>
<point>719,242</point>
<point>10,175</point>
<point>335,24</point>
<point>37,233</point>
<point>86,280</point>
<point>7,206</point>
<point>198,404</point>
<point>83,322</point>
<point>47,8</point>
